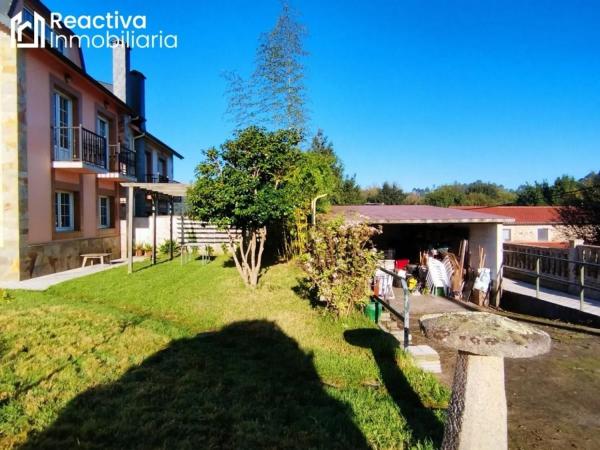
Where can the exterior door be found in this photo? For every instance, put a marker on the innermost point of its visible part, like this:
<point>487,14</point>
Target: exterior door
<point>63,127</point>
<point>102,128</point>
<point>163,167</point>
<point>149,168</point>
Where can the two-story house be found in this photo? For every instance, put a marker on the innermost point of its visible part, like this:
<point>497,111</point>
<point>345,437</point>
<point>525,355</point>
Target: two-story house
<point>67,142</point>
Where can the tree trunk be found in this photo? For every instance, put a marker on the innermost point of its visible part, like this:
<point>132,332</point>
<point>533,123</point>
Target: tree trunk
<point>247,254</point>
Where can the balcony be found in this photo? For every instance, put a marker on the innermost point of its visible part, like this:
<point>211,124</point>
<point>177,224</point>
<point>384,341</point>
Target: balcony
<point>121,163</point>
<point>79,150</point>
<point>157,178</point>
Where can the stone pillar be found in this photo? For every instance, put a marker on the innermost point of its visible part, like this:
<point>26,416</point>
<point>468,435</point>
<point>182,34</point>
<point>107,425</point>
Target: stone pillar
<point>477,417</point>
<point>14,262</point>
<point>574,245</point>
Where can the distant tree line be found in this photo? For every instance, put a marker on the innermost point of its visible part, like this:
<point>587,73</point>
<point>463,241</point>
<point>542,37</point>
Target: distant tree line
<point>564,191</point>
<point>579,199</point>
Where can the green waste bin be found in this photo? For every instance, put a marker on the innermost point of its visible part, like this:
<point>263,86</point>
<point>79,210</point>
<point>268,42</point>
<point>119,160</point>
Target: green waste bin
<point>373,311</point>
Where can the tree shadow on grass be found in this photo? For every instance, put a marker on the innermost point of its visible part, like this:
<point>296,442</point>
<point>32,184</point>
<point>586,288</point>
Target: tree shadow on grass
<point>305,290</point>
<point>148,264</point>
<point>229,262</point>
<point>425,426</point>
<point>245,386</point>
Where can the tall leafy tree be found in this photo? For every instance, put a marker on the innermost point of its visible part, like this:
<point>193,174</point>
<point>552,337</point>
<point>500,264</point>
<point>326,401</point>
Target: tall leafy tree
<point>318,172</point>
<point>446,195</point>
<point>388,194</point>
<point>537,194</point>
<point>564,191</point>
<point>244,185</point>
<point>477,193</point>
<point>349,193</point>
<point>275,94</point>
<point>581,213</point>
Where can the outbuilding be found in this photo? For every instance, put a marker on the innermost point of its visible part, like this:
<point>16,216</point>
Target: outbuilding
<point>410,229</point>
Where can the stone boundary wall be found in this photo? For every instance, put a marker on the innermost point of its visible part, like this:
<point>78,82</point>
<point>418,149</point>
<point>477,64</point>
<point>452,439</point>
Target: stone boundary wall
<point>58,256</point>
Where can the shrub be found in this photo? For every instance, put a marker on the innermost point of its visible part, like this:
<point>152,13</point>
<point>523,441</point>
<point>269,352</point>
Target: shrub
<point>340,262</point>
<point>165,247</point>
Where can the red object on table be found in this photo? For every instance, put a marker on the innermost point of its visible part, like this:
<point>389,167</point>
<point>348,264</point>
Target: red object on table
<point>401,264</point>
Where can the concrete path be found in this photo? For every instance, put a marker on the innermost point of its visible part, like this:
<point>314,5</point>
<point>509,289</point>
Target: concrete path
<point>552,296</point>
<point>44,282</point>
<point>426,357</point>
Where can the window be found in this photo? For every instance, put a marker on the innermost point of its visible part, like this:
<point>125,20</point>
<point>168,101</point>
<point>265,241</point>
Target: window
<point>102,127</point>
<point>104,212</point>
<point>63,123</point>
<point>54,40</point>
<point>506,234</point>
<point>162,166</point>
<point>149,168</point>
<point>63,211</point>
<point>542,234</point>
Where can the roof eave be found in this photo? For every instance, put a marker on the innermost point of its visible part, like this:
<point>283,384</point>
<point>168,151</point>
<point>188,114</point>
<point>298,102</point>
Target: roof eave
<point>157,141</point>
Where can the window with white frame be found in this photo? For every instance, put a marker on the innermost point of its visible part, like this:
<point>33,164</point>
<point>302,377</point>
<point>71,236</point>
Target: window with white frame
<point>64,211</point>
<point>104,211</point>
<point>506,234</point>
<point>542,234</point>
<point>63,123</point>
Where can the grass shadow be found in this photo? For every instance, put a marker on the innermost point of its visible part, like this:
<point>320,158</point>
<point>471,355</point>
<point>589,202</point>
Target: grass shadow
<point>424,424</point>
<point>229,262</point>
<point>306,291</point>
<point>245,386</point>
<point>147,264</point>
<point>264,268</point>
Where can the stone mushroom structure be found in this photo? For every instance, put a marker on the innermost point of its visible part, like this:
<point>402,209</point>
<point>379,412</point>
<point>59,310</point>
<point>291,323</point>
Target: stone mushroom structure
<point>477,416</point>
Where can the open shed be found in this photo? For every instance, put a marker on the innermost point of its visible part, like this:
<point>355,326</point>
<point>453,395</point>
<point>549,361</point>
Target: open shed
<point>408,229</point>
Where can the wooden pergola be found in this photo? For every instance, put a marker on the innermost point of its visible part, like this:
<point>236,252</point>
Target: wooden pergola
<point>170,191</point>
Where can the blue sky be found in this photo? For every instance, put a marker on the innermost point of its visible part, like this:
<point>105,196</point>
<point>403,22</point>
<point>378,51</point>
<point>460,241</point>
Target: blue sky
<point>418,92</point>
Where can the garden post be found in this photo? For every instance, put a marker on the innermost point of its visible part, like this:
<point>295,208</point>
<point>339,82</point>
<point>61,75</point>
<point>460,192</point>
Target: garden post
<point>130,229</point>
<point>154,211</point>
<point>171,242</point>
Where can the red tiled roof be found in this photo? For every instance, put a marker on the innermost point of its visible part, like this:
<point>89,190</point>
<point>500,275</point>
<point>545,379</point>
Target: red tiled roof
<point>562,244</point>
<point>379,214</point>
<point>523,215</point>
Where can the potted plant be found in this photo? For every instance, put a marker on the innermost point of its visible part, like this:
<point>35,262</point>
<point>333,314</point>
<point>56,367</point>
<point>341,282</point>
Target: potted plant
<point>147,250</point>
<point>139,249</point>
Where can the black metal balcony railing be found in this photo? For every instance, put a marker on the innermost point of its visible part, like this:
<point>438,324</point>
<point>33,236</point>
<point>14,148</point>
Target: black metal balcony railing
<point>122,160</point>
<point>79,144</point>
<point>156,178</point>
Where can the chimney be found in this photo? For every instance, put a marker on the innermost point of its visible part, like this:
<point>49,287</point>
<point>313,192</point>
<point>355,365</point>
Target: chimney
<point>137,95</point>
<point>121,68</point>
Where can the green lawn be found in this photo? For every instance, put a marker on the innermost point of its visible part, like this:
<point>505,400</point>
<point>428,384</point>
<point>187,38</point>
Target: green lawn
<point>187,357</point>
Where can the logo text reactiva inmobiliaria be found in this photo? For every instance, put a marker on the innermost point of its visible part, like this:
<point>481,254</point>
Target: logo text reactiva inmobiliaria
<point>99,31</point>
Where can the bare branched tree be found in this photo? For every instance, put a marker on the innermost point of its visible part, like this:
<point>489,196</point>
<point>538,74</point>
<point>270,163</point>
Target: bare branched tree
<point>275,94</point>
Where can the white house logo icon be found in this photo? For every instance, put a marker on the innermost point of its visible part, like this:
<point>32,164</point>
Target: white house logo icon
<point>18,26</point>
